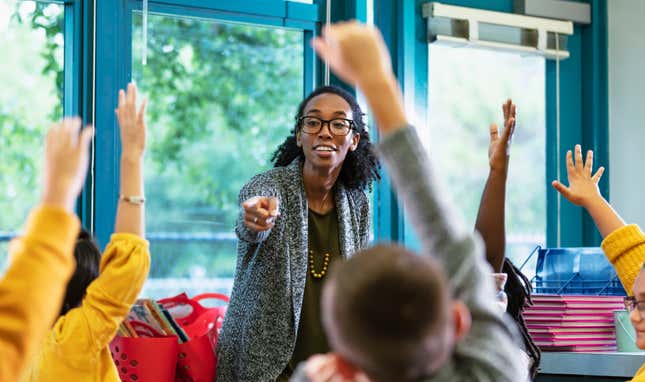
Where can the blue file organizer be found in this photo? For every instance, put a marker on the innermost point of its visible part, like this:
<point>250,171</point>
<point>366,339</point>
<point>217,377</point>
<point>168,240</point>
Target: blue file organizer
<point>575,271</point>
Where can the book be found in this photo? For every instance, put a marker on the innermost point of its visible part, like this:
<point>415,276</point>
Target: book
<point>573,322</point>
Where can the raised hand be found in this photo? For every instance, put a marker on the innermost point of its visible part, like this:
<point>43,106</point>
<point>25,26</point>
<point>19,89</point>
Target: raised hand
<point>500,146</point>
<point>66,161</point>
<point>260,212</point>
<point>583,186</point>
<point>355,52</point>
<point>132,123</point>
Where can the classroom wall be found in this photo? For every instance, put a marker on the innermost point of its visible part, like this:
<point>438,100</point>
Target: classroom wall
<point>626,46</point>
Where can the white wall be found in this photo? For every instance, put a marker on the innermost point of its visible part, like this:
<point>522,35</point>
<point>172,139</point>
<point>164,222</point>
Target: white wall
<point>626,40</point>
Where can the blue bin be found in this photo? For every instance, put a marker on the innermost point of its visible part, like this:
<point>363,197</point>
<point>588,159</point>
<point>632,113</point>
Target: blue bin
<point>583,270</point>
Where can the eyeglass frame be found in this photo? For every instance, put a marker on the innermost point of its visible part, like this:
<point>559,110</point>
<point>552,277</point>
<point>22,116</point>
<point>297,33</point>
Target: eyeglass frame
<point>352,125</point>
<point>631,304</point>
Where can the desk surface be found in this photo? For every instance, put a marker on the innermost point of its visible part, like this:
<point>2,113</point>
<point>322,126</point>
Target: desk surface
<point>592,364</point>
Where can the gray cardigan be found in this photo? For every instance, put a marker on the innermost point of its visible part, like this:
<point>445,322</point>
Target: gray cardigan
<point>259,332</point>
<point>487,353</point>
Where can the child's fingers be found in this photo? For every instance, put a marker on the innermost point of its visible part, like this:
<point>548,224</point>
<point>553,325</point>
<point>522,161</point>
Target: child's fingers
<point>121,98</point>
<point>598,175</point>
<point>506,109</point>
<point>561,188</point>
<point>71,127</point>
<point>86,137</point>
<point>322,48</point>
<point>494,132</point>
<point>142,111</point>
<point>589,162</point>
<point>508,130</point>
<point>570,165</point>
<point>578,159</point>
<point>131,95</point>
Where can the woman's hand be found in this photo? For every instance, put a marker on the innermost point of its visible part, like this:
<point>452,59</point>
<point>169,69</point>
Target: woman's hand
<point>260,212</point>
<point>132,123</point>
<point>500,146</point>
<point>583,187</point>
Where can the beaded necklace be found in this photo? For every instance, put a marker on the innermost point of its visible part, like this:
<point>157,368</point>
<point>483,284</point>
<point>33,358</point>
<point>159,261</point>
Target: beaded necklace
<point>312,269</point>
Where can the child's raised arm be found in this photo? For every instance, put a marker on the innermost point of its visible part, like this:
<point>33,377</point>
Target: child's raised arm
<point>624,245</point>
<point>32,289</point>
<point>132,125</point>
<point>491,222</point>
<point>86,331</point>
<point>487,353</point>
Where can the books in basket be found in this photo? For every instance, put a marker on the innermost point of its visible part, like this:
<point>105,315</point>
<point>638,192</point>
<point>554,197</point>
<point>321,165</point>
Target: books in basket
<point>578,323</point>
<point>155,317</point>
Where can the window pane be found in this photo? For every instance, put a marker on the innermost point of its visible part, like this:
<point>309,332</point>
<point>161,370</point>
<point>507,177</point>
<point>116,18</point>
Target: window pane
<point>31,74</point>
<point>222,97</point>
<point>466,90</point>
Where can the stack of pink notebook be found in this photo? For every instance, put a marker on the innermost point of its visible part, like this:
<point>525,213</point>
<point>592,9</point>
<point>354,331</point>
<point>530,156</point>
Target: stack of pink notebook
<point>575,323</point>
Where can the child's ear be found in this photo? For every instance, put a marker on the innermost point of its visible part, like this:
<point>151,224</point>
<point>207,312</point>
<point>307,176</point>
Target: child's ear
<point>462,320</point>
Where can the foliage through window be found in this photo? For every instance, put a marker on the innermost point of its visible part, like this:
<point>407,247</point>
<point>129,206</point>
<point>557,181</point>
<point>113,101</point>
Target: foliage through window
<point>466,90</point>
<point>222,97</point>
<point>31,74</point>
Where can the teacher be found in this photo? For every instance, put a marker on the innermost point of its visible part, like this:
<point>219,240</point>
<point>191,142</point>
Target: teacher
<point>295,221</point>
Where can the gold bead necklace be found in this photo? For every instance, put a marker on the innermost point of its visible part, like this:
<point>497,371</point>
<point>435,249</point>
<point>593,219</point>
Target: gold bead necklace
<point>321,274</point>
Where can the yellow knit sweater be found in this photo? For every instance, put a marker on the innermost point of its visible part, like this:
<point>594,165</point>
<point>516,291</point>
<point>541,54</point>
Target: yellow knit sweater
<point>625,248</point>
<point>32,289</point>
<point>76,349</point>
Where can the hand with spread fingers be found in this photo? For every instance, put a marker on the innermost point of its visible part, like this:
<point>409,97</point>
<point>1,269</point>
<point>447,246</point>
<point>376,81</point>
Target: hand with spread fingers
<point>260,212</point>
<point>583,185</point>
<point>132,124</point>
<point>66,161</point>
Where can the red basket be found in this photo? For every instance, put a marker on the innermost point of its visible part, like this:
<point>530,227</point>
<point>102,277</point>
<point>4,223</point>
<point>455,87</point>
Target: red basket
<point>196,319</point>
<point>196,361</point>
<point>145,358</point>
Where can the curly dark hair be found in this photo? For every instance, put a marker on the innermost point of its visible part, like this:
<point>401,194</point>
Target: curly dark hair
<point>518,289</point>
<point>361,166</point>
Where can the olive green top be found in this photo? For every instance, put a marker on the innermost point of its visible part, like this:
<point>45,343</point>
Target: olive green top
<point>322,239</point>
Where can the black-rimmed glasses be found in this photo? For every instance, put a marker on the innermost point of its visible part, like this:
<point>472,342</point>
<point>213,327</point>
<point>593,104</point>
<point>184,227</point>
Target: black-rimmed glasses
<point>631,303</point>
<point>337,126</point>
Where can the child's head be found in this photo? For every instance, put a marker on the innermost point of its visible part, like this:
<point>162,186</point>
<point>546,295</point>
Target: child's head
<point>635,315</point>
<point>390,313</point>
<point>88,256</point>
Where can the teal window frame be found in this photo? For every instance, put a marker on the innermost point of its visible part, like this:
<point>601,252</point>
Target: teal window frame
<point>584,109</point>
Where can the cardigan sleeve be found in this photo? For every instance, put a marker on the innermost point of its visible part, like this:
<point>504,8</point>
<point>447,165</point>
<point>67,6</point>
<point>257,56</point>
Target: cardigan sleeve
<point>625,249</point>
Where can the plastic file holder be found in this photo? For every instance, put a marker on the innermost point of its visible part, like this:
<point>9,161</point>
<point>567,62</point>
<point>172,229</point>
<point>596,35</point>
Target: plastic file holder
<point>583,270</point>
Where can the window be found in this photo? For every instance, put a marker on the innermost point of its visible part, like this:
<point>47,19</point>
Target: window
<point>31,74</point>
<point>466,90</point>
<point>222,97</point>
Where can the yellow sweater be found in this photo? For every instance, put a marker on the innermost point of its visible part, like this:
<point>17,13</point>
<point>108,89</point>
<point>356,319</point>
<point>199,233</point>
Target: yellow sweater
<point>32,289</point>
<point>625,248</point>
<point>76,349</point>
